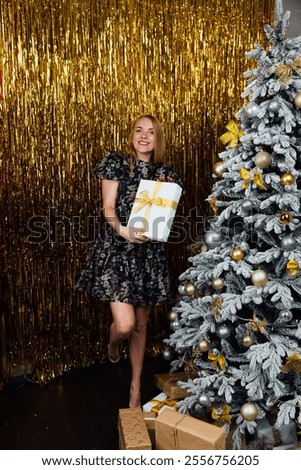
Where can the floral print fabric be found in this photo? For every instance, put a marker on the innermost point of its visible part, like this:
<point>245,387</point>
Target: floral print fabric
<point>117,270</point>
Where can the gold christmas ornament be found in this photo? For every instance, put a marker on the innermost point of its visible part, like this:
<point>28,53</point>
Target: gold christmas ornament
<point>249,411</point>
<point>259,278</point>
<point>218,283</point>
<point>297,100</point>
<point>172,316</point>
<point>285,217</point>
<point>190,289</point>
<point>237,254</point>
<point>287,179</point>
<point>262,159</point>
<point>292,363</point>
<point>292,267</point>
<point>204,345</point>
<point>247,340</point>
<point>219,169</point>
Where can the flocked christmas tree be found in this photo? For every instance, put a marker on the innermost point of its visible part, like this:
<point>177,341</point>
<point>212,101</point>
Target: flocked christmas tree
<point>237,324</point>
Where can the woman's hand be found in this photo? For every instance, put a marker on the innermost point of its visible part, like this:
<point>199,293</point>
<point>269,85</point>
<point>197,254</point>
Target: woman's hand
<point>132,235</point>
<point>169,179</point>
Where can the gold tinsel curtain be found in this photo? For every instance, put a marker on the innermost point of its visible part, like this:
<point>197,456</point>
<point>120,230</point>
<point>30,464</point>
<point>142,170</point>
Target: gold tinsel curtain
<point>75,74</point>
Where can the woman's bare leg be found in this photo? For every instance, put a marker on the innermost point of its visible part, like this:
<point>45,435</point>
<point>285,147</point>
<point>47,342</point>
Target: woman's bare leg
<point>121,327</point>
<point>137,341</point>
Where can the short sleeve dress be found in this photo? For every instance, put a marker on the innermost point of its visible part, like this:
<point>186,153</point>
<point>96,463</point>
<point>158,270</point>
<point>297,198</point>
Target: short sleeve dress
<point>117,270</point>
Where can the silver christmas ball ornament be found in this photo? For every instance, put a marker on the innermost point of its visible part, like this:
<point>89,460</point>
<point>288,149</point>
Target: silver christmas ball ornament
<point>249,411</point>
<point>247,205</point>
<point>251,110</point>
<point>274,106</point>
<point>167,354</point>
<point>175,324</point>
<point>213,238</point>
<point>204,400</point>
<point>288,243</point>
<point>223,331</point>
<point>285,316</point>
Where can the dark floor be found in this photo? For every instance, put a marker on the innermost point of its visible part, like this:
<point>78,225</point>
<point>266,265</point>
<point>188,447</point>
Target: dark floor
<point>76,411</point>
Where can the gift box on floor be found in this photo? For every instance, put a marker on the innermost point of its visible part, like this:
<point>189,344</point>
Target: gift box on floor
<point>149,418</point>
<point>133,434</point>
<point>160,403</point>
<point>154,208</point>
<point>175,431</point>
<point>168,384</point>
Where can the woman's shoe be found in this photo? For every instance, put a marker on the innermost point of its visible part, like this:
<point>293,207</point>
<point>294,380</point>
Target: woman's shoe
<point>113,357</point>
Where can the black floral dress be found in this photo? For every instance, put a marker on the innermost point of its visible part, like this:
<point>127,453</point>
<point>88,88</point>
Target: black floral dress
<point>118,270</point>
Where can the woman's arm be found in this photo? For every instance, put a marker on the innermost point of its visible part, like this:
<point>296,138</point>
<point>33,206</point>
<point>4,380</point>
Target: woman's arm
<point>109,195</point>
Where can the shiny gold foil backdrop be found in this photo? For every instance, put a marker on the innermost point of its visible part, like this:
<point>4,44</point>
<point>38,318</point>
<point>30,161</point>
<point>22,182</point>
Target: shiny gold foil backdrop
<point>75,76</point>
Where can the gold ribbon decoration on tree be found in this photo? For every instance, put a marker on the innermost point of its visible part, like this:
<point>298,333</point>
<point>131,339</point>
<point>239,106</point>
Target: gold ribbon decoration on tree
<point>213,205</point>
<point>257,178</point>
<point>292,267</point>
<point>215,308</point>
<point>258,325</point>
<point>221,415</point>
<point>232,136</point>
<point>218,360</point>
<point>285,71</point>
<point>292,364</point>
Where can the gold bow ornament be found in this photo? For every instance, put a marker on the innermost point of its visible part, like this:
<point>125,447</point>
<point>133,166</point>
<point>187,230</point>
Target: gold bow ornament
<point>246,177</point>
<point>258,325</point>
<point>217,360</point>
<point>285,71</point>
<point>222,415</point>
<point>292,363</point>
<point>232,136</point>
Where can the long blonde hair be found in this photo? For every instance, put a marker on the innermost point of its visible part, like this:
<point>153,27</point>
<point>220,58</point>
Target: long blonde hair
<point>159,147</point>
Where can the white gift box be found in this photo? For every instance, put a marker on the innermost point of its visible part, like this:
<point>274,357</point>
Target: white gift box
<point>160,403</point>
<point>154,208</point>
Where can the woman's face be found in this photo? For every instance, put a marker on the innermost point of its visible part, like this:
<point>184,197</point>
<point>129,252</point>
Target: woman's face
<point>144,138</point>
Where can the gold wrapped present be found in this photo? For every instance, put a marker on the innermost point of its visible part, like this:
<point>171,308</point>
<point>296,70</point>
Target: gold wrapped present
<point>133,434</point>
<point>168,383</point>
<point>176,431</point>
<point>154,208</point>
<point>159,403</point>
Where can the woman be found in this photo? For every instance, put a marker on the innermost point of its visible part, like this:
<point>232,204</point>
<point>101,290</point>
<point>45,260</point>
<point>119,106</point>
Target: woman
<point>124,267</point>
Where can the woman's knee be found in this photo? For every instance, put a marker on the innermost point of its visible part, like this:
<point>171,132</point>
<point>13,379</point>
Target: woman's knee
<point>124,329</point>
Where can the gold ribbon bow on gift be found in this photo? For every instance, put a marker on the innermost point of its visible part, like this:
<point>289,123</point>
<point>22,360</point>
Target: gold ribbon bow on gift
<point>257,178</point>
<point>159,404</point>
<point>284,72</point>
<point>222,416</point>
<point>232,136</point>
<point>293,363</point>
<point>145,200</point>
<point>218,361</point>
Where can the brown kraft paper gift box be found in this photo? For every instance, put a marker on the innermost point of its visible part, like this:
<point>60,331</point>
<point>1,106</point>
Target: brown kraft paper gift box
<point>133,434</point>
<point>167,383</point>
<point>175,431</point>
<point>149,418</point>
